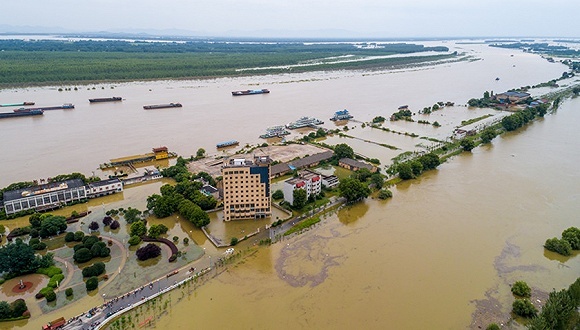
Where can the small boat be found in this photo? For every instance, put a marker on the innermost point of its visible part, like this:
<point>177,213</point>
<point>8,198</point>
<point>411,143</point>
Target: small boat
<point>162,106</point>
<point>16,104</point>
<point>250,92</point>
<point>497,78</point>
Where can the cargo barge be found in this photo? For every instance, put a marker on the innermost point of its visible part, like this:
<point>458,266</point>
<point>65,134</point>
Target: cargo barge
<point>341,115</point>
<point>16,104</point>
<point>275,131</point>
<point>304,122</point>
<point>106,99</point>
<point>227,144</point>
<point>58,107</point>
<point>162,106</point>
<point>250,92</point>
<point>157,154</point>
<point>21,114</point>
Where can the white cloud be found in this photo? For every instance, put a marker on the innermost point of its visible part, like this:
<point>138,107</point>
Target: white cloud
<point>388,18</point>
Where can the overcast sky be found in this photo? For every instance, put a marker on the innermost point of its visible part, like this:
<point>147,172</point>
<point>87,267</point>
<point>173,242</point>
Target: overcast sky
<point>370,18</point>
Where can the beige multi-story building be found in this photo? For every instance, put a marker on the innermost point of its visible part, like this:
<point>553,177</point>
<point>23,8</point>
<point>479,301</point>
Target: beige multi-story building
<point>246,188</point>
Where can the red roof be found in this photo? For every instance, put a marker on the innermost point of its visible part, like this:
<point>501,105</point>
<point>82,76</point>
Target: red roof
<point>300,184</point>
<point>160,149</point>
<point>315,179</point>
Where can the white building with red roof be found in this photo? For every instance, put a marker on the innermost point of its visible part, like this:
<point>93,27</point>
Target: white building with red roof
<point>307,180</point>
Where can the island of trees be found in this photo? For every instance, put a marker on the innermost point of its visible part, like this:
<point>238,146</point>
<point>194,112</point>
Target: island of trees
<point>56,62</point>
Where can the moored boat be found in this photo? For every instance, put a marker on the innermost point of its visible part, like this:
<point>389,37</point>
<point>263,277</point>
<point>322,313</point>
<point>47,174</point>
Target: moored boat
<point>16,104</point>
<point>162,106</point>
<point>250,92</point>
<point>227,144</point>
<point>304,122</point>
<point>275,131</point>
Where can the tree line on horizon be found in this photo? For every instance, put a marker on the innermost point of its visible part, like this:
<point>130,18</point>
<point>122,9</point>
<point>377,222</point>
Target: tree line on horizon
<point>59,62</point>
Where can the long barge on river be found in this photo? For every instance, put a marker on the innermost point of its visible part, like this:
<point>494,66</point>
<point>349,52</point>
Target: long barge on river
<point>162,106</point>
<point>106,99</point>
<point>304,122</point>
<point>16,104</point>
<point>250,92</point>
<point>227,144</point>
<point>58,107</point>
<point>21,114</point>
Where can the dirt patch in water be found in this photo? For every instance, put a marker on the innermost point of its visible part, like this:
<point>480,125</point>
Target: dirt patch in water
<point>306,260</point>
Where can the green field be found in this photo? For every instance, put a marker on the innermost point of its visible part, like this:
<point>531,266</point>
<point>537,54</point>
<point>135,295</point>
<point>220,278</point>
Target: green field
<point>63,62</point>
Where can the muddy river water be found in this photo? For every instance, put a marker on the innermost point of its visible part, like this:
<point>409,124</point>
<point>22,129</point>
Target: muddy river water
<point>440,255</point>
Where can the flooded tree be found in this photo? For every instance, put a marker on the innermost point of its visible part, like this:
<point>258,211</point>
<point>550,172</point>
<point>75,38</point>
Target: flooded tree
<point>148,251</point>
<point>353,190</point>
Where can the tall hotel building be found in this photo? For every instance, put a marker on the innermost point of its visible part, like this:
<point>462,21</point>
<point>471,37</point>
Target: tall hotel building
<point>246,188</point>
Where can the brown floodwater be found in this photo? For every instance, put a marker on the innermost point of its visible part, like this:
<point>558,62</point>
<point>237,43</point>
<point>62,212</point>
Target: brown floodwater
<point>64,141</point>
<point>10,289</point>
<point>447,242</point>
<point>444,245</point>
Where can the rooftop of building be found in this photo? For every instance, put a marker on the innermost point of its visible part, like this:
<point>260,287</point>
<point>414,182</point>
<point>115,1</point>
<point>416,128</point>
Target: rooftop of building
<point>516,94</point>
<point>208,189</point>
<point>160,149</point>
<point>243,162</point>
<point>104,182</point>
<point>279,168</point>
<point>294,181</point>
<point>305,175</point>
<point>41,189</point>
<point>313,159</point>
<point>355,163</point>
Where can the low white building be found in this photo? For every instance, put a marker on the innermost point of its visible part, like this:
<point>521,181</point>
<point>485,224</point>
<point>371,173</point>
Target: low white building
<point>330,181</point>
<point>307,180</point>
<point>103,187</point>
<point>45,196</point>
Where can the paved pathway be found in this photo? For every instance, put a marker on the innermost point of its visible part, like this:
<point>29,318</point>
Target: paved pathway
<point>97,315</point>
<point>276,233</point>
<point>69,272</point>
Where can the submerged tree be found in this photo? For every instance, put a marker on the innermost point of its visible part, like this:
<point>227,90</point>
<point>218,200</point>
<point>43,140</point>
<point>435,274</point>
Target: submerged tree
<point>148,251</point>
